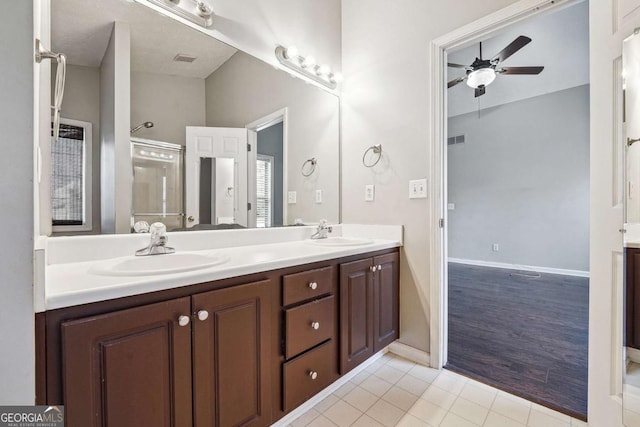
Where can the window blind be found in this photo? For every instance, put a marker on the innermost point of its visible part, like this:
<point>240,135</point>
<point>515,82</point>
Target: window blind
<point>67,176</point>
<point>264,192</point>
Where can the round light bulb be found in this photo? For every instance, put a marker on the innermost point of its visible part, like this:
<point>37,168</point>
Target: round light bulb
<point>481,77</point>
<point>336,78</point>
<point>323,70</point>
<point>309,61</point>
<point>291,52</point>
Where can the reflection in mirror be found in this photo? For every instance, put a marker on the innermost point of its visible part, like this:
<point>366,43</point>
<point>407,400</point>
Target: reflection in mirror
<point>136,74</point>
<point>217,180</point>
<point>631,299</point>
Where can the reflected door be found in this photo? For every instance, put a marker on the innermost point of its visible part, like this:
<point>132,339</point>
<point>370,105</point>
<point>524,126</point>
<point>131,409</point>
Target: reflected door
<point>158,183</point>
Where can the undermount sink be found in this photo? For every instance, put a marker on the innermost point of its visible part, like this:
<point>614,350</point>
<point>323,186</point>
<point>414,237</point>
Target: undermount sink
<point>157,264</point>
<point>341,241</point>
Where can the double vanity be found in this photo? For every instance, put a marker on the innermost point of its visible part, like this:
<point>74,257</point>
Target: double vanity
<point>238,327</point>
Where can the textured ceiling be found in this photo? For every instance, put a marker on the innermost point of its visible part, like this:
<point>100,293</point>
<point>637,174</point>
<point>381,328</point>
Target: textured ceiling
<point>560,42</point>
<point>81,30</point>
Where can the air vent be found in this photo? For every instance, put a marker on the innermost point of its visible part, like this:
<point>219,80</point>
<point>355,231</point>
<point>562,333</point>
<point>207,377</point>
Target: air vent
<point>181,57</point>
<point>453,140</point>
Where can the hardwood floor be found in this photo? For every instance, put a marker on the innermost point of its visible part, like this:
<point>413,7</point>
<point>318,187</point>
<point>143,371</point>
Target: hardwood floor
<point>526,336</point>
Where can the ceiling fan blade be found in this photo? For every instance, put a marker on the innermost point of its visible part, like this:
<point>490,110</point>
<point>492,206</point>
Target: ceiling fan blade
<point>452,65</point>
<point>521,70</point>
<point>512,48</point>
<point>454,82</point>
<point>480,90</point>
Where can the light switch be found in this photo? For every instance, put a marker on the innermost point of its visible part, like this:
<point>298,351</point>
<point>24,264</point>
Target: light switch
<point>291,197</point>
<point>318,196</point>
<point>418,189</point>
<point>369,193</point>
<point>495,247</point>
<point>451,206</point>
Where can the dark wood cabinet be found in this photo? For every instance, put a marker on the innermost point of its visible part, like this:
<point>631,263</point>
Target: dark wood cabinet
<point>242,351</point>
<point>632,298</point>
<point>129,367</point>
<point>369,315</point>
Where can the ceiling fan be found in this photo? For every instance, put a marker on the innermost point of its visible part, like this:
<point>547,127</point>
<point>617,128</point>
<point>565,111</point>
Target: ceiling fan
<point>482,72</point>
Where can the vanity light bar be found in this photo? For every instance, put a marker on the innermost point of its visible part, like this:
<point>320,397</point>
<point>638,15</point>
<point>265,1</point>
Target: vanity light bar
<point>306,65</point>
<point>197,11</point>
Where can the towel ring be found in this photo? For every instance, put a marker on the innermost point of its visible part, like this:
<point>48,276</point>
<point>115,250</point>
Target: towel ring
<point>312,161</point>
<point>377,149</point>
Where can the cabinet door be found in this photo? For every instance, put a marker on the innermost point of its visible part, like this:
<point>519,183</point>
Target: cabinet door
<point>356,313</point>
<point>632,298</point>
<point>385,306</point>
<point>129,368</point>
<point>231,371</point>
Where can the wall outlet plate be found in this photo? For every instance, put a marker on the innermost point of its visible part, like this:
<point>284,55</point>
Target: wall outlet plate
<point>451,206</point>
<point>369,193</point>
<point>418,189</point>
<point>495,247</point>
<point>291,197</point>
<point>318,196</point>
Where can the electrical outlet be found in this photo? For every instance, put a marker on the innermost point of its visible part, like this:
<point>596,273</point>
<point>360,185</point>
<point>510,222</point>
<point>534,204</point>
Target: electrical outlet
<point>451,206</point>
<point>369,193</point>
<point>418,189</point>
<point>495,247</point>
<point>291,197</point>
<point>318,196</point>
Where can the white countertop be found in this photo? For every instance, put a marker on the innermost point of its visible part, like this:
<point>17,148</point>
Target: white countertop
<point>72,283</point>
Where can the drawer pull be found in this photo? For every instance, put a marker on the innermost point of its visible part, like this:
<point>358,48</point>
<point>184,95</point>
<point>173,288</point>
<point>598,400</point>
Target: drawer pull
<point>183,320</point>
<point>315,325</point>
<point>313,285</point>
<point>313,375</point>
<point>203,315</point>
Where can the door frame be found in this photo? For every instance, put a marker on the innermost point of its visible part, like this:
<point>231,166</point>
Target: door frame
<point>279,116</point>
<point>438,252</point>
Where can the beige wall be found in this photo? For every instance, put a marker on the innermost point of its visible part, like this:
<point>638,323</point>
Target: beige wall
<point>245,89</point>
<point>385,100</point>
<point>82,102</point>
<point>170,102</point>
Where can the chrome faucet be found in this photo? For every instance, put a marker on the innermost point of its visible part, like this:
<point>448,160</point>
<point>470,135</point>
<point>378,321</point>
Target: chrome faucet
<point>157,244</point>
<point>323,230</point>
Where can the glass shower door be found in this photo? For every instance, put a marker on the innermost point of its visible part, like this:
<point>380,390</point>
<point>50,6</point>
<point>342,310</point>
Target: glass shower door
<point>158,183</point>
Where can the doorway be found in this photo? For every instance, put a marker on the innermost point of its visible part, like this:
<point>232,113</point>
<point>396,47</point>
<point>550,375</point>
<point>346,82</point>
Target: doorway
<point>516,192</point>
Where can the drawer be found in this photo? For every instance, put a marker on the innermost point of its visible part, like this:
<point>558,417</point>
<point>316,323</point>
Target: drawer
<point>301,323</point>
<point>307,284</point>
<point>298,377</point>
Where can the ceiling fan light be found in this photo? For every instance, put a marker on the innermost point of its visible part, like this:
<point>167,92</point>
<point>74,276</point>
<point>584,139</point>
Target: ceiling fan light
<point>481,77</point>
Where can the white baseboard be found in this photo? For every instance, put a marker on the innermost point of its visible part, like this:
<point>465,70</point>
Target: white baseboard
<point>548,270</point>
<point>410,353</point>
<point>633,355</point>
<point>287,419</point>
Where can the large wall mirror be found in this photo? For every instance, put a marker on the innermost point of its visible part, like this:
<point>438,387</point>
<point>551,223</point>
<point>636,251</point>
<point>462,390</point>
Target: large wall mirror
<point>165,123</point>
<point>631,289</point>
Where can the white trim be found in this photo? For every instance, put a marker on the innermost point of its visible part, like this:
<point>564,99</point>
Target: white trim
<point>253,128</point>
<point>410,353</point>
<point>633,355</point>
<point>87,178</point>
<point>463,36</point>
<point>291,416</point>
<point>548,270</point>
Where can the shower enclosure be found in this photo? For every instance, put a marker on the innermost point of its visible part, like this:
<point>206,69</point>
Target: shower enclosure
<point>158,185</point>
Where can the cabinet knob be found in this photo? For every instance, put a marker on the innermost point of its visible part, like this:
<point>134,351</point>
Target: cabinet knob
<point>203,315</point>
<point>313,375</point>
<point>372,268</point>
<point>183,320</point>
<point>315,325</point>
<point>313,285</point>
<point>379,267</point>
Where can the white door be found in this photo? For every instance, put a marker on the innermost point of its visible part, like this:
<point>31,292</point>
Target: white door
<point>213,142</point>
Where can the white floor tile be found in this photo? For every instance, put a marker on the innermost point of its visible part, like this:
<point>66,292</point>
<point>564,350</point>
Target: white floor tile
<point>375,366</point>
<point>360,376</point>
<point>305,418</point>
<point>495,419</point>
<point>360,399</point>
<point>366,421</point>
<point>424,373</point>
<point>469,410</point>
<point>511,408</point>
<point>401,364</point>
<point>543,419</point>
<point>551,412</point>
<point>400,398</point>
<point>321,421</point>
<point>580,423</point>
<point>344,389</point>
<point>453,420</point>
<point>483,396</point>
<point>428,412</point>
<point>449,382</point>
<point>376,385</point>
<point>389,374</point>
<point>439,397</point>
<point>342,414</point>
<point>326,403</point>
<point>410,421</point>
<point>413,384</point>
<point>385,413</point>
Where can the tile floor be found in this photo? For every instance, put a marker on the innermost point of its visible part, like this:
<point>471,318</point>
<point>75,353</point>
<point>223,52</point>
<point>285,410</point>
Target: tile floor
<point>396,392</point>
